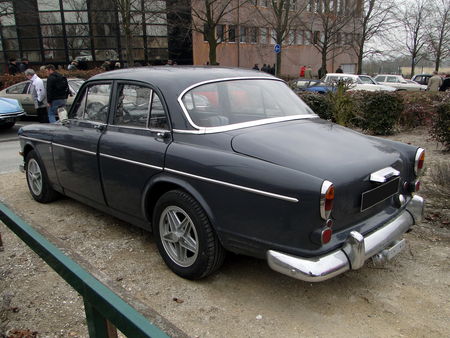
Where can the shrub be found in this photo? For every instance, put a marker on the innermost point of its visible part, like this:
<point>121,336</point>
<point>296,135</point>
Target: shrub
<point>440,128</point>
<point>379,112</point>
<point>343,105</point>
<point>319,103</point>
<point>439,183</point>
<point>419,108</point>
<point>8,79</point>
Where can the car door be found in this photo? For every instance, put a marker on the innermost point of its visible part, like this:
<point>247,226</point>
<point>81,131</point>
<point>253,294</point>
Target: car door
<point>75,145</point>
<point>19,92</point>
<point>133,147</point>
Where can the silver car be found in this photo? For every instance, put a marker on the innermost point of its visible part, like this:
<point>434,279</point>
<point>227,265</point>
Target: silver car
<point>22,92</point>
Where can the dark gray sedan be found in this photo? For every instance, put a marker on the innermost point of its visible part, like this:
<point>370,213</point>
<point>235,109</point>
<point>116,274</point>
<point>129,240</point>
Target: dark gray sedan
<point>216,159</point>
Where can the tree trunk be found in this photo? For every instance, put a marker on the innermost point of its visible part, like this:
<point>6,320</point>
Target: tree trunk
<point>212,53</point>
<point>129,48</point>
<point>413,67</point>
<point>278,60</point>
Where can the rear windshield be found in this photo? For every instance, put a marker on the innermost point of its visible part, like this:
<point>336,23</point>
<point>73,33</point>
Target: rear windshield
<point>238,101</point>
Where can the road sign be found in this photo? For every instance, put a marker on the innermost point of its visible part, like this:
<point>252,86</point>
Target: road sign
<point>277,48</point>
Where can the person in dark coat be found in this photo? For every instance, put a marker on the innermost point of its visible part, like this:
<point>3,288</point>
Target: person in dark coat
<point>57,92</point>
<point>255,67</point>
<point>445,84</point>
<point>12,67</point>
<point>339,70</point>
<point>24,65</point>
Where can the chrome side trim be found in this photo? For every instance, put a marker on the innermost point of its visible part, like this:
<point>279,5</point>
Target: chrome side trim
<point>35,139</point>
<point>383,175</point>
<point>75,149</point>
<point>211,130</point>
<point>353,254</point>
<point>231,185</point>
<point>132,162</point>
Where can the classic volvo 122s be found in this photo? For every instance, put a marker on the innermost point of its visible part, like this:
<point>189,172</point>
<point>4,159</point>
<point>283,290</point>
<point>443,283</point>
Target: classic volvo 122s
<point>216,159</point>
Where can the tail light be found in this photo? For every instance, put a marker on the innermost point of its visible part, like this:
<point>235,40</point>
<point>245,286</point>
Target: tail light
<point>326,199</point>
<point>420,158</point>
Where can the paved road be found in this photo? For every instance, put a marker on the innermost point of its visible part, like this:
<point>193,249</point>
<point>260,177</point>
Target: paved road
<point>9,148</point>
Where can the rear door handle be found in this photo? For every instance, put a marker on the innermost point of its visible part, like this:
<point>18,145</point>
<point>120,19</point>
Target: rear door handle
<point>99,127</point>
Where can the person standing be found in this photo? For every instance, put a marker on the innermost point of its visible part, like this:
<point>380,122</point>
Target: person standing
<point>308,73</point>
<point>12,67</point>
<point>57,92</point>
<point>434,82</point>
<point>339,70</point>
<point>302,71</point>
<point>38,94</point>
<point>445,84</point>
<point>24,65</point>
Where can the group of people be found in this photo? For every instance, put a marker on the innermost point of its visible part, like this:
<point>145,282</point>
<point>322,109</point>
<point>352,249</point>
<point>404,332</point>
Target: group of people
<point>265,68</point>
<point>438,83</point>
<point>47,101</point>
<point>306,72</point>
<point>18,66</point>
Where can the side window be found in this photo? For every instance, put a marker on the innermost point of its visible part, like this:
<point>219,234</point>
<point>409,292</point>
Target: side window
<point>17,89</point>
<point>132,106</point>
<point>158,117</point>
<point>392,79</point>
<point>380,78</point>
<point>94,104</point>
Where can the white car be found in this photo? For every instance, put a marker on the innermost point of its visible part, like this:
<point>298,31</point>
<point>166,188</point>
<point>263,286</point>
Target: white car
<point>399,82</point>
<point>357,82</point>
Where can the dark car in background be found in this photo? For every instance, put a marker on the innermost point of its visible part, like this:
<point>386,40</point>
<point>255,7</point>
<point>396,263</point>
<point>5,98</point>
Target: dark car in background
<point>421,78</point>
<point>218,159</point>
<point>22,92</point>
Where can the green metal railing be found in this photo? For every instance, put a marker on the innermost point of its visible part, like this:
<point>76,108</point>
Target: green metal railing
<point>102,306</point>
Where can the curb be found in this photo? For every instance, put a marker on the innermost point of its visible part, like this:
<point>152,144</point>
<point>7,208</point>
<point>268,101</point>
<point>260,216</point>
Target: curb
<point>9,139</point>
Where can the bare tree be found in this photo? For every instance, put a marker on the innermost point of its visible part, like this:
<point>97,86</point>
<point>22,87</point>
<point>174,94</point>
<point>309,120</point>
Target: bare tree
<point>413,16</point>
<point>376,20</point>
<point>282,17</point>
<point>209,15</point>
<point>438,31</point>
<point>329,26</point>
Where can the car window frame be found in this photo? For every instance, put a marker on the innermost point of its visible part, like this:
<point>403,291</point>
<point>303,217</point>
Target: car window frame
<point>80,96</point>
<point>154,90</point>
<point>25,89</point>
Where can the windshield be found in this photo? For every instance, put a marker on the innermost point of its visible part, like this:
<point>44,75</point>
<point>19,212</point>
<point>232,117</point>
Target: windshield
<point>231,102</point>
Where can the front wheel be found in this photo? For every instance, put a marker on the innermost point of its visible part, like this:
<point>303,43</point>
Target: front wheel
<point>38,183</point>
<point>185,238</point>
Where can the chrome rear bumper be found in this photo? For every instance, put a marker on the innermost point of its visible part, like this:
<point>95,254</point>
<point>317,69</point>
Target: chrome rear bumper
<point>355,251</point>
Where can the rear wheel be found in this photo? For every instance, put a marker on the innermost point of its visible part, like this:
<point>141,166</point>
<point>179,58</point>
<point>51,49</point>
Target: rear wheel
<point>185,238</point>
<point>37,180</point>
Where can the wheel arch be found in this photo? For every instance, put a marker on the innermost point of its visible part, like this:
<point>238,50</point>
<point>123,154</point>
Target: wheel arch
<point>163,183</point>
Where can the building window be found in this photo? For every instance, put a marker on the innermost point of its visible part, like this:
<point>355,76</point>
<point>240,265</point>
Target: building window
<point>317,37</point>
<point>291,37</point>
<point>308,37</point>
<point>252,34</point>
<point>220,32</point>
<point>206,30</point>
<point>300,40</point>
<point>273,37</point>
<point>263,35</point>
<point>232,33</point>
<point>48,5</point>
<point>264,3</point>
<point>243,34</point>
<point>310,6</point>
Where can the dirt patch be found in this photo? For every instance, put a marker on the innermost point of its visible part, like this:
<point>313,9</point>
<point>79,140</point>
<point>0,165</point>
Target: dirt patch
<point>408,297</point>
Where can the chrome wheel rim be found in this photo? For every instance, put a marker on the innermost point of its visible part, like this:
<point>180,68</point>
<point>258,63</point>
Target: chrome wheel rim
<point>178,236</point>
<point>34,175</point>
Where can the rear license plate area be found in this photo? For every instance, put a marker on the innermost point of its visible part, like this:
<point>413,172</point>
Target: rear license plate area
<point>379,194</point>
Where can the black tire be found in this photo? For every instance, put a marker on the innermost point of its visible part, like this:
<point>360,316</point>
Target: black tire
<point>194,250</point>
<point>37,179</point>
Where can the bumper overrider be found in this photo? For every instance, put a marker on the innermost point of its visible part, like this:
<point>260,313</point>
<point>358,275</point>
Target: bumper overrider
<point>381,245</point>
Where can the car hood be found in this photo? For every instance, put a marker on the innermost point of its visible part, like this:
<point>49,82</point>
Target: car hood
<point>9,106</point>
<point>319,148</point>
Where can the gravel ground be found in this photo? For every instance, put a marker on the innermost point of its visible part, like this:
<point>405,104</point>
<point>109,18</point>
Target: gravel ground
<point>408,297</point>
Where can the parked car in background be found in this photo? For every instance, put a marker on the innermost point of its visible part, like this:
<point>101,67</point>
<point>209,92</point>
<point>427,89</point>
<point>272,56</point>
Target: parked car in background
<point>421,78</point>
<point>220,159</point>
<point>22,92</point>
<point>310,85</point>
<point>356,82</point>
<point>398,82</point>
<point>10,111</point>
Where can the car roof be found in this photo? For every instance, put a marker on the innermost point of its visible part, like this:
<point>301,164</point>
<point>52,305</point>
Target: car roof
<point>177,78</point>
<point>342,74</point>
